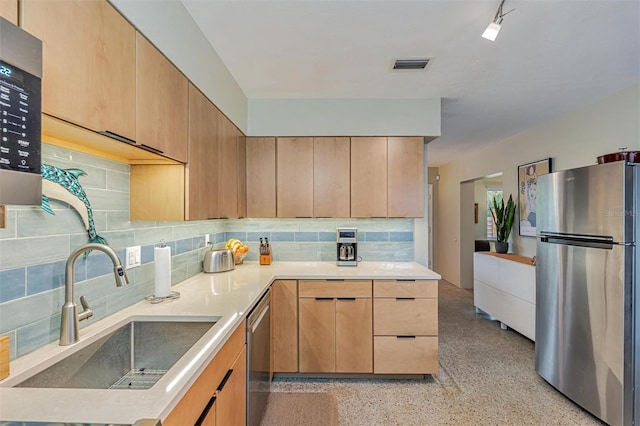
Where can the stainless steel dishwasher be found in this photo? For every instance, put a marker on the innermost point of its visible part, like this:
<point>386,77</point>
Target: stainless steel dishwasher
<point>258,359</point>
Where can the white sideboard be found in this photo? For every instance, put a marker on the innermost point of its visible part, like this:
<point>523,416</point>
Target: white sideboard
<point>505,288</point>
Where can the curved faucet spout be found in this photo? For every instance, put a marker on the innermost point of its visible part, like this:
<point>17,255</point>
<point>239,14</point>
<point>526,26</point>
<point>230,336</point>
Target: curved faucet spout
<point>70,317</point>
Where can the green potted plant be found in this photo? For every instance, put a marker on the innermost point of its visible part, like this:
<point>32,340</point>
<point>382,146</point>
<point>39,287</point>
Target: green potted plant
<point>503,218</point>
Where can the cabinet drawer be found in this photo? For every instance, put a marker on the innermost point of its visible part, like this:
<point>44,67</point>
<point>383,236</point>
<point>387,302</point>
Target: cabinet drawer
<point>399,316</point>
<point>402,355</point>
<point>329,288</point>
<point>405,288</point>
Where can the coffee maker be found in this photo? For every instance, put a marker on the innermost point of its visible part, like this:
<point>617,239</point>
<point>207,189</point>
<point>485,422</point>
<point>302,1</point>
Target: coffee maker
<point>347,241</point>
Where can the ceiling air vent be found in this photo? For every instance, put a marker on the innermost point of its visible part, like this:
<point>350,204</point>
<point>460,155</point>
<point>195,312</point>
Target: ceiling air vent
<point>411,64</point>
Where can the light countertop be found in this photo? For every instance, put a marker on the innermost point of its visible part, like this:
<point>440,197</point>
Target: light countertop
<point>225,297</point>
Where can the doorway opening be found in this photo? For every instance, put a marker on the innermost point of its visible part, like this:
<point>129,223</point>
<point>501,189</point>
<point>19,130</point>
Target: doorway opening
<point>477,231</point>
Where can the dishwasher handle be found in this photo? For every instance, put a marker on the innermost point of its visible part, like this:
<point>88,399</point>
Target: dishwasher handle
<point>256,317</point>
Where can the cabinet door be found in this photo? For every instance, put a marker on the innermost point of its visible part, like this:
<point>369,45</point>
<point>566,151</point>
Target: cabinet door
<point>89,59</point>
<point>9,10</point>
<point>405,183</point>
<point>231,402</point>
<point>157,192</point>
<point>242,175</point>
<point>295,177</point>
<point>331,177</point>
<point>202,178</point>
<point>317,335</point>
<point>227,169</point>
<point>284,321</point>
<point>162,98</point>
<point>261,177</point>
<point>368,177</point>
<point>354,336</point>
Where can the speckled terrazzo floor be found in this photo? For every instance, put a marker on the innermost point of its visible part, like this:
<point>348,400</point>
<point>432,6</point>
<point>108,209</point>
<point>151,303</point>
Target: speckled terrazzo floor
<point>486,377</point>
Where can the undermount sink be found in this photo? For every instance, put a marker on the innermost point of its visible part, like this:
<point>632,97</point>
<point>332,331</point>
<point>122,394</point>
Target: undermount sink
<point>135,356</point>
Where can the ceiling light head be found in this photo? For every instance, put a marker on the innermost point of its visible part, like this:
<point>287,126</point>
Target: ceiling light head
<point>494,26</point>
<point>492,31</point>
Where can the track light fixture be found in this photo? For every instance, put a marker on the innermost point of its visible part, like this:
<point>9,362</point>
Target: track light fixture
<point>494,26</point>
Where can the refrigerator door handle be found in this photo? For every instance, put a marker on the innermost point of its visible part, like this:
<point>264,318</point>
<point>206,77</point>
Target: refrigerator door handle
<point>592,241</point>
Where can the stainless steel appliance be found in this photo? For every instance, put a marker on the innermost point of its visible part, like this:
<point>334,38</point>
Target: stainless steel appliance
<point>258,360</point>
<point>218,260</point>
<point>587,273</point>
<point>20,116</point>
<point>347,241</point>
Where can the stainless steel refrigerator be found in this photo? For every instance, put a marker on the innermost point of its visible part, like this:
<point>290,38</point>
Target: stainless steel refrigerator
<point>587,316</point>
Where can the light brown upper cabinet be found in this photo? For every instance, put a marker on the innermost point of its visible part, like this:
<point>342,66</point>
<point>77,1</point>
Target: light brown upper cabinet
<point>162,101</point>
<point>405,183</point>
<point>89,60</point>
<point>295,177</point>
<point>9,10</point>
<point>261,177</point>
<point>369,177</point>
<point>202,177</point>
<point>331,177</point>
<point>242,174</point>
<point>227,169</point>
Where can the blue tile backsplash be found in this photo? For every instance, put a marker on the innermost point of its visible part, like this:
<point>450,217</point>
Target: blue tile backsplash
<point>35,245</point>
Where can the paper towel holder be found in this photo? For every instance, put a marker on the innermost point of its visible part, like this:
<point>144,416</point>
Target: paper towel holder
<point>172,294</point>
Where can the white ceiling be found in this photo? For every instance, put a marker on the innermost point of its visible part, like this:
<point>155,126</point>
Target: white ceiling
<point>550,57</point>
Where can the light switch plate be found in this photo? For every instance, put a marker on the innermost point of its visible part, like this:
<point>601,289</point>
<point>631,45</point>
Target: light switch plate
<point>134,257</point>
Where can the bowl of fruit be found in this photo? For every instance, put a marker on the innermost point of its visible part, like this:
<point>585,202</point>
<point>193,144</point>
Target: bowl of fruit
<point>239,250</point>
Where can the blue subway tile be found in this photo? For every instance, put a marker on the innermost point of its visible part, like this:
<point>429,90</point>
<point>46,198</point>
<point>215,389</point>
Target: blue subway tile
<point>146,254</point>
<point>282,236</point>
<point>254,237</point>
<point>219,238</point>
<point>400,236</point>
<point>12,284</point>
<point>198,242</point>
<point>46,276</point>
<point>376,236</point>
<point>183,246</point>
<point>306,236</point>
<point>326,236</point>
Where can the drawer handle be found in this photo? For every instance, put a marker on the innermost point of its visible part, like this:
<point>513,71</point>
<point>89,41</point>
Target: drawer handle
<point>114,135</point>
<point>205,412</point>
<point>406,281</point>
<point>324,298</point>
<point>335,279</point>
<point>405,337</point>
<point>346,298</point>
<point>405,298</point>
<point>224,380</point>
<point>152,149</point>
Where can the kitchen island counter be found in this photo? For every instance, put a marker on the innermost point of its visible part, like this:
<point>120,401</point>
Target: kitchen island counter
<point>226,297</point>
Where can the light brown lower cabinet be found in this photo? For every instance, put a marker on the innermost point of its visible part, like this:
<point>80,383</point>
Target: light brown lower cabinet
<point>218,396</point>
<point>335,326</point>
<point>405,326</point>
<point>284,321</point>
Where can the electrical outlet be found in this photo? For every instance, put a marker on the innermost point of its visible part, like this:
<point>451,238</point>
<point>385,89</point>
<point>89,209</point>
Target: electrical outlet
<point>134,257</point>
<point>206,239</point>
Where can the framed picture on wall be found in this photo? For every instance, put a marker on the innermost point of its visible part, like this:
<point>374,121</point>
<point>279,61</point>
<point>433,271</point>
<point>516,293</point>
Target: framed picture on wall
<point>527,187</point>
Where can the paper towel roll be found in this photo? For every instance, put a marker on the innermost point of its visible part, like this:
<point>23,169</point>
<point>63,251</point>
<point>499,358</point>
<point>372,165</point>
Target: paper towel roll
<point>162,269</point>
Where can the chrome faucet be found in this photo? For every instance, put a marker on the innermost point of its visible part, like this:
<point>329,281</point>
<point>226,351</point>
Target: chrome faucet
<point>70,317</point>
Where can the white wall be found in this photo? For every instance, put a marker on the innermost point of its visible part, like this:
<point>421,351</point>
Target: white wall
<point>573,140</point>
<point>344,117</point>
<point>169,26</point>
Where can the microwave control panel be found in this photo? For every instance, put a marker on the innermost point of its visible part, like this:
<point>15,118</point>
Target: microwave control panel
<point>20,120</point>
